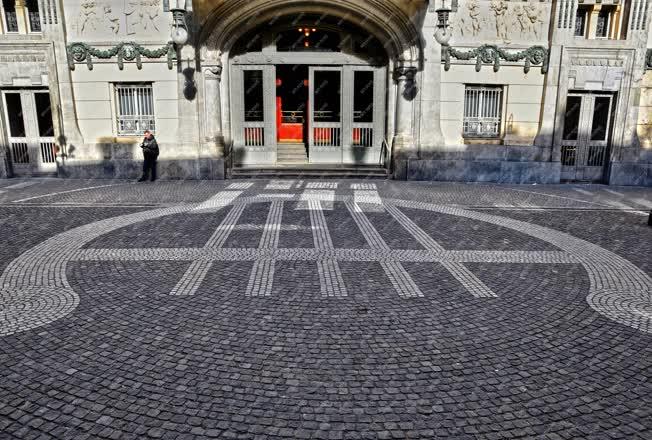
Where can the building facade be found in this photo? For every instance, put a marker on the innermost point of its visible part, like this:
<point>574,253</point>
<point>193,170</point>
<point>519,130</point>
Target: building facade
<point>504,91</point>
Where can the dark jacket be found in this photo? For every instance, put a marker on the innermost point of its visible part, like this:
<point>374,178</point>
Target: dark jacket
<point>150,147</point>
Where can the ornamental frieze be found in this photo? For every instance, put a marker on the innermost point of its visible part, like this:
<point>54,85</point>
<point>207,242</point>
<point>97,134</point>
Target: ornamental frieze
<point>491,54</point>
<point>598,62</point>
<point>131,52</point>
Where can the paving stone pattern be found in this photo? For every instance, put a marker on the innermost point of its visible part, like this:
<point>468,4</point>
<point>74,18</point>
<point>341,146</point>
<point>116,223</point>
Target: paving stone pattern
<point>326,310</point>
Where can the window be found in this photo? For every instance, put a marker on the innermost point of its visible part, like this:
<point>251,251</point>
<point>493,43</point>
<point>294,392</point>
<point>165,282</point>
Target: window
<point>482,110</point>
<point>33,14</point>
<point>603,23</point>
<point>580,21</point>
<point>135,109</point>
<point>10,15</point>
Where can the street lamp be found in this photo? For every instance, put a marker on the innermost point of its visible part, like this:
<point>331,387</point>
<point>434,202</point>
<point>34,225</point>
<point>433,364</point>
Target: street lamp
<point>179,9</point>
<point>443,33</point>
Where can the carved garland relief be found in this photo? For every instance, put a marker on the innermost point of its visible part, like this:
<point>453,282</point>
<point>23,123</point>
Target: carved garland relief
<point>132,17</point>
<point>500,20</point>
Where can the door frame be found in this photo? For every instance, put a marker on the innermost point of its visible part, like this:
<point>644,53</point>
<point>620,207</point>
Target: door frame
<point>580,150</point>
<point>41,151</point>
<point>253,154</point>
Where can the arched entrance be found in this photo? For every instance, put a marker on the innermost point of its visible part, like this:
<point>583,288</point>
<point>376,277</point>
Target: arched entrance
<point>309,82</point>
<point>308,92</point>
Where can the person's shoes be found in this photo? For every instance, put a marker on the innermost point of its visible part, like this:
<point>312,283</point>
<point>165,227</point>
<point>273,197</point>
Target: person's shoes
<point>142,179</point>
<point>153,180</point>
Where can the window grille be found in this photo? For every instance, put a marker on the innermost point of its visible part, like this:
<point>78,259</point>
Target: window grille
<point>135,107</point>
<point>482,110</point>
<point>11,20</point>
<point>33,15</point>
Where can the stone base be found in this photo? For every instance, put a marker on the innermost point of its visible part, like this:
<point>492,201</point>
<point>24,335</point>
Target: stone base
<point>631,174</point>
<point>180,169</point>
<point>484,171</point>
<point>4,166</point>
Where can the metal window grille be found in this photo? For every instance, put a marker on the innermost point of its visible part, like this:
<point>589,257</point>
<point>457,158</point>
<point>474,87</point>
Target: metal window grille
<point>482,110</point>
<point>11,19</point>
<point>135,106</point>
<point>34,16</point>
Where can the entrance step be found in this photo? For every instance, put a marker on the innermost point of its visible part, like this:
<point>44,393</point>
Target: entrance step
<point>306,171</point>
<point>291,153</point>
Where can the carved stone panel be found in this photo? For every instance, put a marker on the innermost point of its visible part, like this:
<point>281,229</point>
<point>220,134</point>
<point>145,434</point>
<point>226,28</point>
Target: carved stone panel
<point>93,20</point>
<point>500,21</point>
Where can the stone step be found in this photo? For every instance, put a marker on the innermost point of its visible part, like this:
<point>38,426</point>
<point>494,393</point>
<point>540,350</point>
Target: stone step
<point>306,171</point>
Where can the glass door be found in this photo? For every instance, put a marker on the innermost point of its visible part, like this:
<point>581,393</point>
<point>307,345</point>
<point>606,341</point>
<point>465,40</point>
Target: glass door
<point>585,136</point>
<point>31,143</point>
<point>325,127</point>
<point>364,91</point>
<point>253,96</point>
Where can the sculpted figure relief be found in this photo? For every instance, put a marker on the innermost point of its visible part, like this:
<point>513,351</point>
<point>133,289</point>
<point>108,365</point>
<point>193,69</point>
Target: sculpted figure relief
<point>88,19</point>
<point>535,21</point>
<point>473,26</point>
<point>500,9</point>
<point>111,21</point>
<point>142,15</point>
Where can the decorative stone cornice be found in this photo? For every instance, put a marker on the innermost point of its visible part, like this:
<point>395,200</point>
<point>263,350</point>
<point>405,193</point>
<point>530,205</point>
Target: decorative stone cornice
<point>648,59</point>
<point>491,54</point>
<point>130,51</point>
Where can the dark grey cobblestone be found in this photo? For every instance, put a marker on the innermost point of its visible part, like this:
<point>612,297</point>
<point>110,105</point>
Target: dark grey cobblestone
<point>133,362</point>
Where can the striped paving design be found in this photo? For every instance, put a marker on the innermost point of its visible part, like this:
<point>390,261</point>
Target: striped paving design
<point>326,197</point>
<point>461,273</point>
<point>262,274</point>
<point>398,276</point>
<point>240,185</point>
<point>330,275</point>
<point>225,228</point>
<point>192,278</point>
<point>195,274</point>
<point>217,202</point>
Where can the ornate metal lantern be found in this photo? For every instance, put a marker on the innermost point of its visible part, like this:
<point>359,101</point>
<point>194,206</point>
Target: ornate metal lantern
<point>443,34</point>
<point>179,9</point>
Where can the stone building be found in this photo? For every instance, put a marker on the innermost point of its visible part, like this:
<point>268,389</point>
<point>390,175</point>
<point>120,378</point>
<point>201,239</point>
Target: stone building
<point>504,91</point>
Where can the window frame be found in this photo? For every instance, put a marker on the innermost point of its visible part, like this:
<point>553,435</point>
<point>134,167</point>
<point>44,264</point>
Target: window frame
<point>5,23</point>
<point>500,112</point>
<point>28,17</point>
<point>118,117</point>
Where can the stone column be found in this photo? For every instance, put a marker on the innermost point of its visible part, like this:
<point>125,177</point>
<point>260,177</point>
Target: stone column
<point>213,107</point>
<point>403,144</point>
<point>21,17</point>
<point>545,137</point>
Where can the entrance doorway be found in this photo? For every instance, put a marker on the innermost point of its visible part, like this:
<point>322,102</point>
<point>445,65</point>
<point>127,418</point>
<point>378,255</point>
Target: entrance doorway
<point>312,90</point>
<point>586,136</point>
<point>30,131</point>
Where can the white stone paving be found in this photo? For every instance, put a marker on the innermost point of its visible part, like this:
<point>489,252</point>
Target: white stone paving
<point>217,202</point>
<point>398,276</point>
<point>195,274</point>
<point>461,273</point>
<point>330,275</point>
<point>262,274</point>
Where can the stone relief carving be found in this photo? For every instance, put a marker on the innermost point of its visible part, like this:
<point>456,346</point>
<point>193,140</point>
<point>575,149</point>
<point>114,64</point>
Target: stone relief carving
<point>142,15</point>
<point>111,21</point>
<point>500,9</point>
<point>500,20</point>
<point>88,17</point>
<point>471,24</point>
<point>121,17</point>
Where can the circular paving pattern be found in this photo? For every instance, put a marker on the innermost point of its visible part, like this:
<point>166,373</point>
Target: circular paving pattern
<point>299,316</point>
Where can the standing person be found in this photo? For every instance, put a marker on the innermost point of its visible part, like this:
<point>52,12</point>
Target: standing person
<point>150,153</point>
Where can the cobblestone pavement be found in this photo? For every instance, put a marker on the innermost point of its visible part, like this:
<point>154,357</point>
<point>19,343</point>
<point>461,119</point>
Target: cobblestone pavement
<point>324,309</point>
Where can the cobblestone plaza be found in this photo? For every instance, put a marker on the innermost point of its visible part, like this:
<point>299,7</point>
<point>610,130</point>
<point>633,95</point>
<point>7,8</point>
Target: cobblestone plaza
<point>262,309</point>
